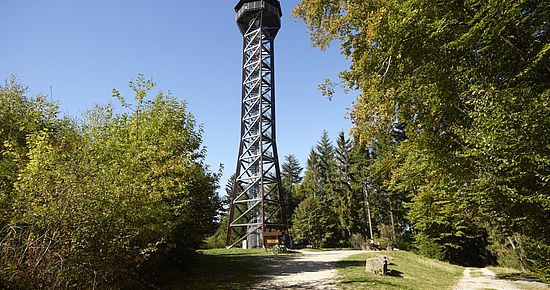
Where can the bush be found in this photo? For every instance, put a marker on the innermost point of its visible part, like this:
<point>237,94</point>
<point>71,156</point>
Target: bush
<point>507,255</point>
<point>357,241</point>
<point>428,247</point>
<point>98,205</point>
<point>386,235</point>
<point>217,240</point>
<point>313,223</point>
<point>538,257</point>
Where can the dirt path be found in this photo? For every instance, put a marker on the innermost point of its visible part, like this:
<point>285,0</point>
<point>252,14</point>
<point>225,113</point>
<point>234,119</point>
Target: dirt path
<point>477,278</point>
<point>312,270</point>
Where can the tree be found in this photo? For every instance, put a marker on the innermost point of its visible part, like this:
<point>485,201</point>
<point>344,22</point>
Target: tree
<point>307,226</point>
<point>468,82</point>
<point>20,116</point>
<point>361,160</point>
<point>390,201</point>
<point>348,203</point>
<point>311,184</point>
<point>317,185</point>
<point>218,239</point>
<point>325,152</point>
<point>319,170</point>
<point>291,171</point>
<point>314,224</point>
<point>291,176</point>
<point>105,203</point>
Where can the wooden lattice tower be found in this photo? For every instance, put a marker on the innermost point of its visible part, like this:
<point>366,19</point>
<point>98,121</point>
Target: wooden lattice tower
<point>257,208</point>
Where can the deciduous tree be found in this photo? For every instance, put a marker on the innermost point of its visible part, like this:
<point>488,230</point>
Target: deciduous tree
<point>469,81</point>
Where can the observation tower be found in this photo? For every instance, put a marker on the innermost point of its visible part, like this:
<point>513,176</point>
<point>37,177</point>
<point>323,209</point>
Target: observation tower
<point>256,215</point>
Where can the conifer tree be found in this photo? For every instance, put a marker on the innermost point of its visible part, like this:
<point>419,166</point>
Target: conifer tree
<point>345,205</point>
<point>325,167</point>
<point>317,195</point>
<point>291,176</point>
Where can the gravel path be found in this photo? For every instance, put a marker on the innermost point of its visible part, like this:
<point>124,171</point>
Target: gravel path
<point>312,270</point>
<point>477,278</point>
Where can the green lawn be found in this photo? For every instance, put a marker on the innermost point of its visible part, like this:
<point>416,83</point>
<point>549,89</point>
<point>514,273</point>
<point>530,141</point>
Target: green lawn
<point>406,271</point>
<point>222,269</point>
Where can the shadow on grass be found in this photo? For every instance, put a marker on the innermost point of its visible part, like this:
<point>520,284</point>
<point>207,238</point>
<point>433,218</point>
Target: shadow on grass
<point>518,277</point>
<point>238,271</point>
<point>354,263</point>
<point>276,266</point>
<point>229,271</point>
<point>394,273</point>
<point>349,263</point>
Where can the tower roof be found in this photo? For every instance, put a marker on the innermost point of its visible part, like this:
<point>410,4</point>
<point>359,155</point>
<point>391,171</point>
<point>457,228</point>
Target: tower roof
<point>272,2</point>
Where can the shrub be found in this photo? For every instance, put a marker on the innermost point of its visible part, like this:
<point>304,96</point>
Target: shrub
<point>98,205</point>
<point>357,241</point>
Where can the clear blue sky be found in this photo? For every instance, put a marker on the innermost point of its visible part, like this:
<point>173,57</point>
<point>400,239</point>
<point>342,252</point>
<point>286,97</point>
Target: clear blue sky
<point>84,49</point>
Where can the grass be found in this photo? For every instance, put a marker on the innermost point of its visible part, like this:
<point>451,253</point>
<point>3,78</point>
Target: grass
<point>515,276</point>
<point>406,271</point>
<point>222,269</point>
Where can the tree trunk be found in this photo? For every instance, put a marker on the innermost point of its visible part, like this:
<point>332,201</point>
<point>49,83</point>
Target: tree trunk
<point>518,248</point>
<point>392,223</point>
<point>367,204</point>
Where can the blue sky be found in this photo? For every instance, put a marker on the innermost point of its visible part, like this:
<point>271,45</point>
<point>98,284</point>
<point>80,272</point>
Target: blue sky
<point>84,49</point>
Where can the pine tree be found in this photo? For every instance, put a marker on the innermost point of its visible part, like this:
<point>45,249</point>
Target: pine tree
<point>361,160</point>
<point>291,177</point>
<point>346,206</point>
<point>316,190</point>
<point>311,183</point>
<point>325,167</point>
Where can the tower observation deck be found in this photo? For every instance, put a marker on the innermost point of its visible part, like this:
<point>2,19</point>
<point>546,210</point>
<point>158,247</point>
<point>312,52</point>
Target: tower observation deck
<point>257,206</point>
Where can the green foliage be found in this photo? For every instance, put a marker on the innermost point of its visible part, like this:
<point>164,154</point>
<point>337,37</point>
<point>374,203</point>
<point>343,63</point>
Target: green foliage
<point>22,120</point>
<point>346,205</point>
<point>222,269</point>
<point>319,170</point>
<point>20,116</point>
<point>341,179</point>
<point>313,223</point>
<point>509,250</point>
<point>318,195</point>
<point>429,247</point>
<point>468,80</point>
<point>538,257</point>
<point>104,203</point>
<point>290,178</point>
<point>218,239</point>
<point>306,222</point>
